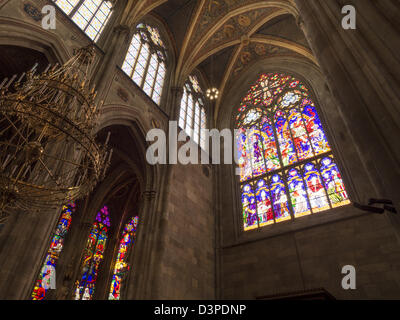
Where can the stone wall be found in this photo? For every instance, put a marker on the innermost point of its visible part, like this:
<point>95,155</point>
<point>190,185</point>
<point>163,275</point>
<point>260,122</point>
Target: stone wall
<point>313,258</point>
<point>187,259</point>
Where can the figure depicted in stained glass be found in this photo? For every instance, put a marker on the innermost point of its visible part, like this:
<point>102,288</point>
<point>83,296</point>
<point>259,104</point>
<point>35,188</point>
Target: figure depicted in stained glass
<point>93,256</point>
<point>315,131</point>
<point>264,205</point>
<point>278,130</point>
<point>333,183</point>
<point>47,276</point>
<point>244,157</point>
<point>298,194</point>
<point>316,190</point>
<point>279,199</point>
<point>300,137</point>
<point>121,264</point>
<point>270,149</point>
<point>257,164</point>
<point>287,149</point>
<point>249,208</point>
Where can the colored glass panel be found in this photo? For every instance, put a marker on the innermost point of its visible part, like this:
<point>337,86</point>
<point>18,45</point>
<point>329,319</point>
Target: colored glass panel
<point>249,208</point>
<point>264,205</point>
<point>286,145</point>
<point>121,265</point>
<point>314,128</point>
<point>315,188</point>
<point>270,149</point>
<point>256,149</point>
<point>279,112</point>
<point>93,256</point>
<point>298,194</point>
<point>300,137</point>
<point>244,156</point>
<point>46,278</point>
<point>333,183</point>
<point>279,199</point>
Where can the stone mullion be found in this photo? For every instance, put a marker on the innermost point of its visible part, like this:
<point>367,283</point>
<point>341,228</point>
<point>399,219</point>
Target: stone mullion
<point>93,16</point>
<point>76,8</point>
<point>136,59</point>
<point>155,79</point>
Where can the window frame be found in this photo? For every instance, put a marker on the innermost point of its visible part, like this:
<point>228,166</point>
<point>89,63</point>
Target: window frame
<point>155,53</point>
<point>198,111</point>
<point>75,10</point>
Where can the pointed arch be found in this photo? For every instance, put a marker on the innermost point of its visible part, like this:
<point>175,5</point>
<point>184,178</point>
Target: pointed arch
<point>287,169</point>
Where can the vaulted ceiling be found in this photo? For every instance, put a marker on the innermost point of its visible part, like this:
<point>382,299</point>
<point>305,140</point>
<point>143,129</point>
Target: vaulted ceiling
<point>222,38</point>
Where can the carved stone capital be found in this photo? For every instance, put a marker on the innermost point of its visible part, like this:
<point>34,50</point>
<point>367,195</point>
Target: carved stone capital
<point>149,195</point>
<point>121,29</point>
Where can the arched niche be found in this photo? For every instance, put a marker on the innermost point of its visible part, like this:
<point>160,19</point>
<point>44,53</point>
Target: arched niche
<point>345,151</point>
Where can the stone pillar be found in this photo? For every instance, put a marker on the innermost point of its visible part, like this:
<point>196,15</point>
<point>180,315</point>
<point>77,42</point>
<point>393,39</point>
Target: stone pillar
<point>135,284</point>
<point>177,93</point>
<point>362,69</point>
<point>103,77</point>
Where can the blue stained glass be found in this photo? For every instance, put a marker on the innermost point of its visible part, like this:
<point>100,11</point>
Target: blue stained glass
<point>284,132</point>
<point>315,188</point>
<point>244,156</point>
<point>333,183</point>
<point>249,208</point>
<point>279,199</point>
<point>47,274</point>
<point>257,157</point>
<point>298,194</point>
<point>264,205</point>
<point>285,140</point>
<point>315,130</point>
<point>300,137</point>
<point>270,149</point>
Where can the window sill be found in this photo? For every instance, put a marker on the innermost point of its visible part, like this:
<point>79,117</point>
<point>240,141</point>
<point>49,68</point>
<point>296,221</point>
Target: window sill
<point>287,227</point>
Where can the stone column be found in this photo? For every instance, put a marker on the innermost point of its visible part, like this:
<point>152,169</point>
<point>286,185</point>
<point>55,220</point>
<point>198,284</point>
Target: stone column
<point>134,285</point>
<point>177,93</point>
<point>114,55</point>
<point>362,69</point>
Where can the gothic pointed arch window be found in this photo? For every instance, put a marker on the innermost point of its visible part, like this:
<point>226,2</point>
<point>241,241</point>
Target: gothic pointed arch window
<point>287,169</point>
<point>90,15</point>
<point>145,61</point>
<point>93,256</point>
<point>121,266</point>
<point>47,276</point>
<point>192,114</point>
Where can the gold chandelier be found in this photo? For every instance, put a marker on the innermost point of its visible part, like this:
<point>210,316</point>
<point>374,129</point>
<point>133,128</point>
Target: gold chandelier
<point>48,152</point>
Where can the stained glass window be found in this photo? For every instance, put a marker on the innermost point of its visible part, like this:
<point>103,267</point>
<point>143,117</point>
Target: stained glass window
<point>46,279</point>
<point>90,15</point>
<point>192,114</point>
<point>145,61</point>
<point>121,265</point>
<point>93,256</point>
<point>287,169</point>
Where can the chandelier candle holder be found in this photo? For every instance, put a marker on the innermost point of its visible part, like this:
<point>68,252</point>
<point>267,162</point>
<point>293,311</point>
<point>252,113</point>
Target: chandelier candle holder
<point>48,152</point>
<point>212,93</point>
